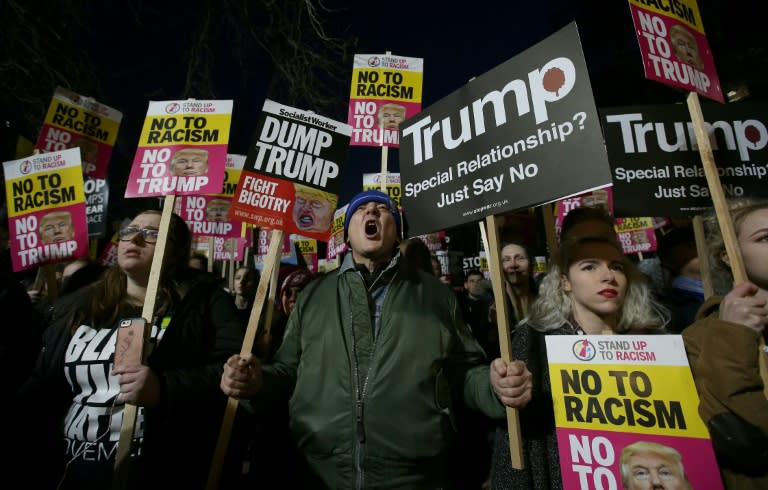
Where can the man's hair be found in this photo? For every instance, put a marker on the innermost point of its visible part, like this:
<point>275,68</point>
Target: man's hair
<point>56,215</point>
<point>190,151</point>
<point>217,202</point>
<point>678,29</point>
<point>392,106</point>
<point>646,446</point>
<point>473,272</point>
<point>53,216</point>
<point>311,192</point>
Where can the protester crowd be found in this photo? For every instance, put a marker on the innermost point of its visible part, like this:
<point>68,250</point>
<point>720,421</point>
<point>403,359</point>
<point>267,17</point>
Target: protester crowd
<point>376,374</point>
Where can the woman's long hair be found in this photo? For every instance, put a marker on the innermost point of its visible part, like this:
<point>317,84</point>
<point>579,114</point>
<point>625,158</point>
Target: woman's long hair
<point>106,300</point>
<point>554,307</point>
<point>722,276</point>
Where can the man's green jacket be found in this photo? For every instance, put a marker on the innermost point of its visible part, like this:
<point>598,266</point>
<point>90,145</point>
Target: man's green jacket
<point>377,412</point>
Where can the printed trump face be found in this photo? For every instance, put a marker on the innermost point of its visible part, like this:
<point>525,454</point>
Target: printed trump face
<point>190,162</point>
<point>651,466</point>
<point>390,116</point>
<point>313,209</point>
<point>685,46</point>
<point>56,227</point>
<point>217,210</point>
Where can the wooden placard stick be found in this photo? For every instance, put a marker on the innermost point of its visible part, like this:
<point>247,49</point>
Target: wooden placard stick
<point>122,455</point>
<point>211,253</point>
<point>250,336</point>
<point>547,214</point>
<point>384,157</point>
<point>232,250</point>
<point>273,285</point>
<point>247,255</point>
<point>491,244</point>
<point>716,190</point>
<point>703,254</point>
<point>723,214</point>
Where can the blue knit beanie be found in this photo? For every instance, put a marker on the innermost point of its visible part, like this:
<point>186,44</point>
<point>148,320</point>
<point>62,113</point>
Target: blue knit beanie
<point>373,196</point>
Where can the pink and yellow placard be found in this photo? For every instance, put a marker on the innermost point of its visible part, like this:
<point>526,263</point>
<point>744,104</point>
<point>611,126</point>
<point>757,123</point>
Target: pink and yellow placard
<point>74,121</point>
<point>232,170</point>
<point>308,250</point>
<point>182,149</point>
<point>393,186</point>
<point>637,235</point>
<point>385,91</point>
<point>208,216</point>
<point>46,209</point>
<point>336,244</point>
<point>614,393</point>
<point>674,47</point>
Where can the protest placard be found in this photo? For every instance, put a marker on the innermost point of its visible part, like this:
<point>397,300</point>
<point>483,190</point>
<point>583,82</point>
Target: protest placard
<point>674,48</point>
<point>292,174</point>
<point>615,393</point>
<point>522,134</point>
<point>182,149</point>
<point>655,160</point>
<point>96,203</point>
<point>385,91</point>
<point>46,209</point>
<point>74,121</point>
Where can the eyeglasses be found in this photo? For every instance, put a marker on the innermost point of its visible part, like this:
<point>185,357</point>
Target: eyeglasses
<point>130,232</point>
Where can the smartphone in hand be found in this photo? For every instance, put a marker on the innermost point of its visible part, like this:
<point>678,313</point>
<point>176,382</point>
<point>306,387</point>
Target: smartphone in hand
<point>129,346</point>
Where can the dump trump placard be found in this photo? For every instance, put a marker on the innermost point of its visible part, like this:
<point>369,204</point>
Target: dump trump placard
<point>385,91</point>
<point>292,173</point>
<point>46,209</point>
<point>74,121</point>
<point>182,149</point>
<point>614,396</point>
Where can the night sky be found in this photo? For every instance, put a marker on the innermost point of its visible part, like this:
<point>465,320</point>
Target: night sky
<point>134,47</point>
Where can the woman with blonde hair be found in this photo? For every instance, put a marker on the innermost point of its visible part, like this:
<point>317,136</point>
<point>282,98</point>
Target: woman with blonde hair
<point>724,354</point>
<point>591,288</point>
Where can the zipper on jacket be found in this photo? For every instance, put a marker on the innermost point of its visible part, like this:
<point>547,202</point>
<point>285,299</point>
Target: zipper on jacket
<point>359,415</point>
<point>362,391</point>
